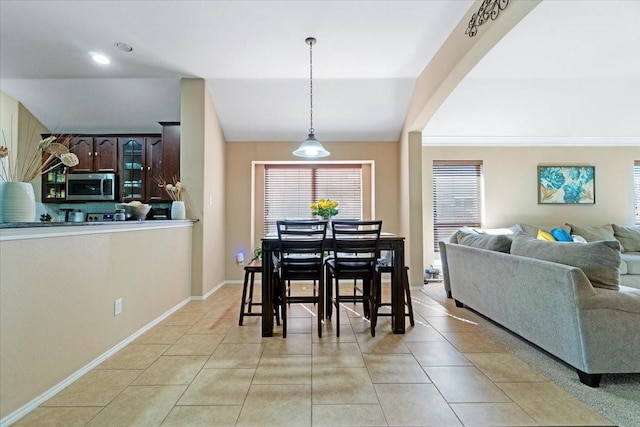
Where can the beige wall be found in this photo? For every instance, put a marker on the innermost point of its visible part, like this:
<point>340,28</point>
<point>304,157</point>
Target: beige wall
<point>57,296</point>
<point>240,156</point>
<point>511,192</point>
<point>459,54</point>
<point>202,169</point>
<point>17,124</point>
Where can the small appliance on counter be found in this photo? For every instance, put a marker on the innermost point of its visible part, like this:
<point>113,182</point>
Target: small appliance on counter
<point>159,213</point>
<point>101,217</point>
<point>77,216</point>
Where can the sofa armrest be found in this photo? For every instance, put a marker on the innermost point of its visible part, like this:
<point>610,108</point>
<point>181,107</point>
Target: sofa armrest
<point>445,267</point>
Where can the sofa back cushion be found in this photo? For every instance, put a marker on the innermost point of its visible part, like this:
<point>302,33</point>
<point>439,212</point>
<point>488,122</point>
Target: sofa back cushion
<point>532,230</point>
<point>593,233</point>
<point>492,242</point>
<point>600,261</point>
<point>629,237</point>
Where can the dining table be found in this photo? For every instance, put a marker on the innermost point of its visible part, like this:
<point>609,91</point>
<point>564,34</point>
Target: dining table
<point>388,242</point>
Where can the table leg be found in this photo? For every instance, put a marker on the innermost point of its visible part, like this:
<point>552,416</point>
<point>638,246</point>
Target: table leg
<point>267,291</point>
<point>397,290</point>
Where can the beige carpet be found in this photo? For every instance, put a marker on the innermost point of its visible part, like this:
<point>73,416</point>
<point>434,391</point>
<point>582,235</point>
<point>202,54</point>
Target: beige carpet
<point>617,398</point>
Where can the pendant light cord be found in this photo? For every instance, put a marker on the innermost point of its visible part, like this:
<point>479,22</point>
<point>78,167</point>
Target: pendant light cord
<point>311,85</point>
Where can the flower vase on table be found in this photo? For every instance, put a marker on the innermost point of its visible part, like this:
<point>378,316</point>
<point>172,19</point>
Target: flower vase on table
<point>328,219</point>
<point>325,209</point>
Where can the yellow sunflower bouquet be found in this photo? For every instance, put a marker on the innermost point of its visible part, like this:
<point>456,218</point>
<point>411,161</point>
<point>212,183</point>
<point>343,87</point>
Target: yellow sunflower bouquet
<point>325,208</point>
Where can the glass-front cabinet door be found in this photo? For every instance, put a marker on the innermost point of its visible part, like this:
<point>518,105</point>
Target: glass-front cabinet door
<point>132,168</point>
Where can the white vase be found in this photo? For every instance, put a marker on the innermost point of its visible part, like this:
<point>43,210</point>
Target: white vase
<point>178,210</point>
<point>17,202</point>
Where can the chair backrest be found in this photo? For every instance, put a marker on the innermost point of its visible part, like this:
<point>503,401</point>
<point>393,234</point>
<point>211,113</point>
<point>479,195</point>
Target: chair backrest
<point>355,243</point>
<point>301,246</point>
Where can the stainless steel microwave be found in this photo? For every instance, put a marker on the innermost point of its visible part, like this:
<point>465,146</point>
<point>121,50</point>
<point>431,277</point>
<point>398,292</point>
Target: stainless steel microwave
<point>91,186</point>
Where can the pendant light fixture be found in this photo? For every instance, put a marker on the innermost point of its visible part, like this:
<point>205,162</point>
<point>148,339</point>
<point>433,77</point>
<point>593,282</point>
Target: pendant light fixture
<point>311,147</point>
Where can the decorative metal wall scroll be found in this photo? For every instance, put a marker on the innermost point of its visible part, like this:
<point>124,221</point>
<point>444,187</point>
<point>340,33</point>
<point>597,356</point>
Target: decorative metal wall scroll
<point>488,9</point>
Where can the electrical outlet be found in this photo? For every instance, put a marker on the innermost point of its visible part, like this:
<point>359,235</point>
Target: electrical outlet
<point>117,306</point>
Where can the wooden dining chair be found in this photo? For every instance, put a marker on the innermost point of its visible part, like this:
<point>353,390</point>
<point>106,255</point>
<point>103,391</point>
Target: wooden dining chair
<point>301,258</point>
<point>355,253</point>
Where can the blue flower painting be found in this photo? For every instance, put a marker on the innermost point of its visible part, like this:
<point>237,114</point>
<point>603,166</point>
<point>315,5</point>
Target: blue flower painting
<point>566,184</point>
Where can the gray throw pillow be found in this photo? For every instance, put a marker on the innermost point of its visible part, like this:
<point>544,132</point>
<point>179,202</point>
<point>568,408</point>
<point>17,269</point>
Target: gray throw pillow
<point>629,237</point>
<point>600,261</point>
<point>499,242</point>
<point>593,233</point>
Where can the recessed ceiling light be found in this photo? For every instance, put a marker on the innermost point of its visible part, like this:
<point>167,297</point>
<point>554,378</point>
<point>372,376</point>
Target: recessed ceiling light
<point>100,58</point>
<point>123,46</point>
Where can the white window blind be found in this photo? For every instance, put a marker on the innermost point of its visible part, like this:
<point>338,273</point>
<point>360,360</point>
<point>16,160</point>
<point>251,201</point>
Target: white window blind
<point>636,187</point>
<point>290,190</point>
<point>456,197</point>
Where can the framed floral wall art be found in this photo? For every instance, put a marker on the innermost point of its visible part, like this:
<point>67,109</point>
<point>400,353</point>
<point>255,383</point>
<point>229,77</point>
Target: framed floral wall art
<point>566,185</point>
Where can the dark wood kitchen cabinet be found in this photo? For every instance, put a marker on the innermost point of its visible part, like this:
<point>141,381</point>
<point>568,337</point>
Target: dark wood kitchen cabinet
<point>95,153</point>
<point>143,159</point>
<point>171,150</point>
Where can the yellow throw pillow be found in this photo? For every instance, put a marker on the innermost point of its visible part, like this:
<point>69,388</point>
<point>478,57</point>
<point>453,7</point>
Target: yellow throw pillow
<point>543,235</point>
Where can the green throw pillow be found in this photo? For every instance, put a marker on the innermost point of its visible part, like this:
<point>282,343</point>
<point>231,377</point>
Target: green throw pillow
<point>629,237</point>
<point>600,261</point>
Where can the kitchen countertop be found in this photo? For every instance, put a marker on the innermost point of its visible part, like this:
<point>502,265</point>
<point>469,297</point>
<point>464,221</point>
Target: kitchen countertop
<point>35,230</point>
<point>85,223</point>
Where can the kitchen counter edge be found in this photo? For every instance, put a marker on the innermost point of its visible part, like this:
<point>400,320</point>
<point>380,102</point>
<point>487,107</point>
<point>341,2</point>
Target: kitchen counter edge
<point>35,230</point>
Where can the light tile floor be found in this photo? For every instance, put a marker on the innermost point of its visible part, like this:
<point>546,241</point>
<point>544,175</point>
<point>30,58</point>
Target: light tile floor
<point>199,368</point>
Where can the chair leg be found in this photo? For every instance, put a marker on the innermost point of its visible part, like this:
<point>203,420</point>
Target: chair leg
<point>373,307</point>
<point>251,279</point>
<point>407,292</point>
<point>244,297</point>
<point>320,307</point>
<point>336,300</point>
<point>366,291</point>
<point>328,283</point>
<point>283,307</point>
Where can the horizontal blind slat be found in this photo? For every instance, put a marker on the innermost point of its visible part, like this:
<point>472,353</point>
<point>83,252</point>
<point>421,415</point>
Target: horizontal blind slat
<point>290,190</point>
<point>456,197</point>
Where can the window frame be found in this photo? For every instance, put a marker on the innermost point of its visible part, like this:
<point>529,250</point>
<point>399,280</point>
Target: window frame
<point>449,227</point>
<point>258,189</point>
<point>636,191</point>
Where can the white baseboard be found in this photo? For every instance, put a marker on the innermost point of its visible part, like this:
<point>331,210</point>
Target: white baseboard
<point>33,404</point>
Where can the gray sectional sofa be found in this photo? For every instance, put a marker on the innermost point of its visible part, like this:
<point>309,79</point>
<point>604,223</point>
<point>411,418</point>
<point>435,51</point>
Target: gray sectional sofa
<point>570,299</point>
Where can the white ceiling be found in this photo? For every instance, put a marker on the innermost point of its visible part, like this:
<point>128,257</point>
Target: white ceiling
<point>567,74</point>
<point>366,61</point>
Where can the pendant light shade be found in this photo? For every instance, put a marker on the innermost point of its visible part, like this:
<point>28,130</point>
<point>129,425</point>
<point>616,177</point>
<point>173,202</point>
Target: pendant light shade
<point>311,148</point>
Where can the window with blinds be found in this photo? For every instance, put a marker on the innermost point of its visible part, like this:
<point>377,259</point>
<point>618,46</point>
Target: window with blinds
<point>636,189</point>
<point>457,197</point>
<point>289,191</point>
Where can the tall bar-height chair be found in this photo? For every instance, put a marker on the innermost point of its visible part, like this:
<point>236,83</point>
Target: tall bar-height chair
<point>301,257</point>
<point>355,253</point>
<point>247,303</point>
<point>385,265</point>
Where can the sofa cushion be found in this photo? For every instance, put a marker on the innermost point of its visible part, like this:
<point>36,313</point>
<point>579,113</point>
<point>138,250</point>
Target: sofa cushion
<point>532,230</point>
<point>497,242</point>
<point>593,233</point>
<point>632,262</point>
<point>629,237</point>
<point>600,261</point>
